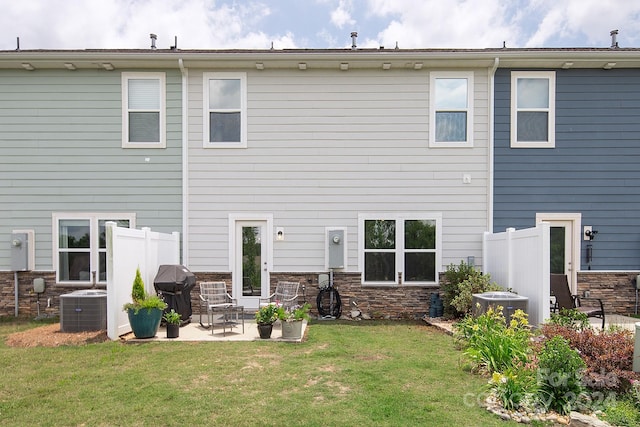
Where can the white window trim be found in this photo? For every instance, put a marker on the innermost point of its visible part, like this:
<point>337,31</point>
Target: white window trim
<point>125,110</point>
<point>432,107</point>
<point>551,76</point>
<point>243,110</point>
<point>399,251</point>
<point>93,218</point>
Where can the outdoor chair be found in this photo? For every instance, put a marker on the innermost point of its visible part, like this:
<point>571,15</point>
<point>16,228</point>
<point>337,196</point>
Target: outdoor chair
<point>217,301</point>
<point>286,294</point>
<point>560,290</point>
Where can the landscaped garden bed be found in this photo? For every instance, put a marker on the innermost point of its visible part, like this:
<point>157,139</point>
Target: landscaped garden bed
<point>545,374</point>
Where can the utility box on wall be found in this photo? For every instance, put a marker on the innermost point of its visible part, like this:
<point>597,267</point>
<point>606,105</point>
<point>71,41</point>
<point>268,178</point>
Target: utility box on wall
<point>22,250</point>
<point>335,248</point>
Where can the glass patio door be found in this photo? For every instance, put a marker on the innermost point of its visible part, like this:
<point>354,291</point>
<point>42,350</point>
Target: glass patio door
<point>560,240</point>
<point>251,275</point>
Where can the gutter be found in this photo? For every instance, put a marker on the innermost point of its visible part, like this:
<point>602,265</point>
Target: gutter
<point>185,162</point>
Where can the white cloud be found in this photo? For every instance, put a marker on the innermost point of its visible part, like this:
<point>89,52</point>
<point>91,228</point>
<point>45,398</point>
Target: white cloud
<point>81,24</point>
<point>589,20</point>
<point>341,15</point>
<point>522,23</point>
<point>434,23</point>
<point>255,24</point>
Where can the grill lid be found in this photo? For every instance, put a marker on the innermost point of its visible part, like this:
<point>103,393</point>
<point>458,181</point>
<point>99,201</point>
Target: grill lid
<point>174,278</point>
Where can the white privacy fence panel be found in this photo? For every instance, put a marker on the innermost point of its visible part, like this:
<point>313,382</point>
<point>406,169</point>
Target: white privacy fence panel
<point>519,259</point>
<point>127,250</point>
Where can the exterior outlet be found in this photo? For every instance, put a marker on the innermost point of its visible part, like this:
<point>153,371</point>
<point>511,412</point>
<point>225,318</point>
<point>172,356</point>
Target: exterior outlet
<point>466,178</point>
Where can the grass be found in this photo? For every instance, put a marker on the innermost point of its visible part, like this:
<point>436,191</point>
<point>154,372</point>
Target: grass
<point>345,374</point>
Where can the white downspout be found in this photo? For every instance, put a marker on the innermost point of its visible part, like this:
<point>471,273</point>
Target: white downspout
<point>185,163</point>
<point>492,73</point>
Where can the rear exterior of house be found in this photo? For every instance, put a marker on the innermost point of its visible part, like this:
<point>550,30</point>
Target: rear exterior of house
<point>390,150</point>
<point>370,164</point>
<point>578,169</point>
<point>67,165</point>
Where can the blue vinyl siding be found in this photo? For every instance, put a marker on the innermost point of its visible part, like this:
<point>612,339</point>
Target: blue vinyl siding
<point>594,169</point>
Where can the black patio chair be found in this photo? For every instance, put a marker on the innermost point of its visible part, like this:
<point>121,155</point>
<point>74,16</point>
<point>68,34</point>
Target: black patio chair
<point>564,299</point>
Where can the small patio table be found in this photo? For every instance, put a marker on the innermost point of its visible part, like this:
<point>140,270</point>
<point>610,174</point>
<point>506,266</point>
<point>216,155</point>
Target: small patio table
<point>227,318</point>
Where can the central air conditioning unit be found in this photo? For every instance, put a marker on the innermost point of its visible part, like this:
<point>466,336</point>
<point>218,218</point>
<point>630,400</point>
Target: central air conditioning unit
<point>509,302</point>
<point>83,310</point>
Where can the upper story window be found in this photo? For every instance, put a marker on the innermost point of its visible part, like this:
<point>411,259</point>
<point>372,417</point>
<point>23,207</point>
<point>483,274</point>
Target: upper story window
<point>533,104</point>
<point>391,246</point>
<point>143,110</point>
<point>225,106</point>
<point>80,245</point>
<point>451,106</point>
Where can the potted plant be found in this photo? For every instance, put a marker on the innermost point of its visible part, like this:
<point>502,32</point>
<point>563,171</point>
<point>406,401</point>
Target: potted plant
<point>292,321</point>
<point>265,316</point>
<point>173,323</point>
<point>145,310</point>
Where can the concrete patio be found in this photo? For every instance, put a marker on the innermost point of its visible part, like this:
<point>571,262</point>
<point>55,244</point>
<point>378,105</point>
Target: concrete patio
<point>194,332</point>
<point>625,322</point>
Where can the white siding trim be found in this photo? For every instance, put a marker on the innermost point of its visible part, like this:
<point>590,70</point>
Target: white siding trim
<point>185,162</point>
<point>576,220</point>
<point>432,107</point>
<point>93,218</point>
<point>125,110</point>
<point>235,217</point>
<point>551,142</point>
<point>437,216</point>
<point>205,110</point>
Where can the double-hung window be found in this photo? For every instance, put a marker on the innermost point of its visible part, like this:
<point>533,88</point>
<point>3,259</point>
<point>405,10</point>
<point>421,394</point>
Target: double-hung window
<point>394,246</point>
<point>451,106</point>
<point>143,110</point>
<point>533,99</point>
<point>225,108</point>
<point>80,245</point>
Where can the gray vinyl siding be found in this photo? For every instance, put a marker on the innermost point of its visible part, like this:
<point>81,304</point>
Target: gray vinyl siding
<point>60,151</point>
<point>593,170</point>
<point>324,146</point>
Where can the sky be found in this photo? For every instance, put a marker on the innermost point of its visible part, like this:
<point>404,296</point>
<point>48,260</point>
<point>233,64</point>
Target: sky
<point>316,24</point>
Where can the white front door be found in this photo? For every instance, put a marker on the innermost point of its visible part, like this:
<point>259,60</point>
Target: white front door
<point>565,244</point>
<point>251,267</point>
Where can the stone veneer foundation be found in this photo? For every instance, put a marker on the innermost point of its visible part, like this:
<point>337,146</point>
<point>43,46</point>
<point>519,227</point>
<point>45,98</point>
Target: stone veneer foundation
<point>616,289</point>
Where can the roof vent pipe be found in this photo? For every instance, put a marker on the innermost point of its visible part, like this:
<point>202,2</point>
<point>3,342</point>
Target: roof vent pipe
<point>614,39</point>
<point>153,40</point>
<point>354,36</point>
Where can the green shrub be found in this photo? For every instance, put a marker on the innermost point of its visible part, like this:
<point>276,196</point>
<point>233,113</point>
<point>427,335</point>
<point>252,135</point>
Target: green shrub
<point>608,355</point>
<point>516,387</point>
<point>142,300</point>
<point>571,318</point>
<point>559,375</point>
<point>622,412</point>
<point>476,283</point>
<point>460,282</point>
<point>492,344</point>
<point>137,290</point>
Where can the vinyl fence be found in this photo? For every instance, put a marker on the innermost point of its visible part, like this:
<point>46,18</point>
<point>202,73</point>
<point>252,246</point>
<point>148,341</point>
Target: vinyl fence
<point>127,250</point>
<point>519,259</point>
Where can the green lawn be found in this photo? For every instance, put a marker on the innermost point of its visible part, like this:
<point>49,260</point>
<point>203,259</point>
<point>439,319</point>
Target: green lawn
<point>345,374</point>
